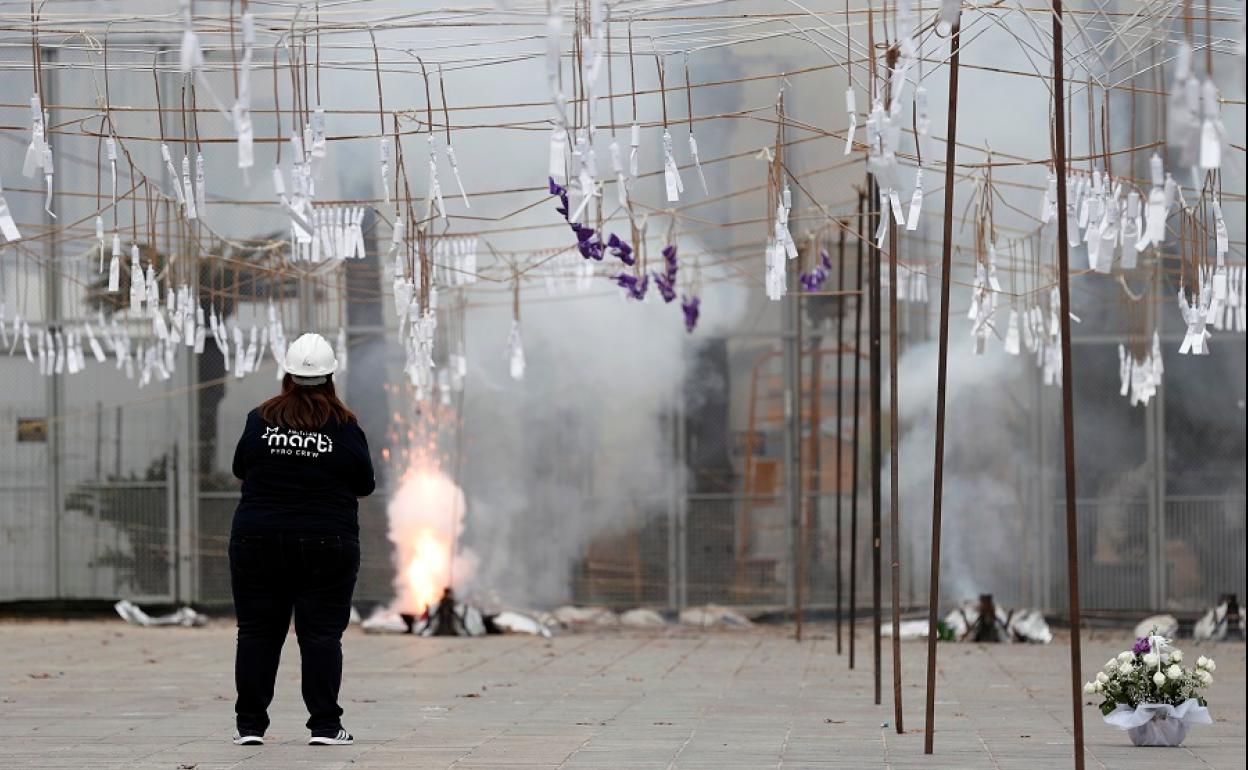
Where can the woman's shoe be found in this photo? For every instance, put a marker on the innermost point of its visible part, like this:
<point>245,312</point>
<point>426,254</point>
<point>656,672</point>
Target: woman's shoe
<point>341,738</point>
<point>248,740</point>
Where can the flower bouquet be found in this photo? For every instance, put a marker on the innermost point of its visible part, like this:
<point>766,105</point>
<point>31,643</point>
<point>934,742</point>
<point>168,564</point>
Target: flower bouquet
<point>1148,693</point>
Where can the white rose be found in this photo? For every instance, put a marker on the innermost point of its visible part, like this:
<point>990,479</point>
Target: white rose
<point>1177,656</point>
<point>1112,665</point>
<point>1151,659</point>
<point>1205,678</point>
<point>1202,661</point>
<point>1159,679</point>
<point>1174,672</point>
<point>1099,687</point>
<point>1126,668</point>
<point>1101,677</point>
<point>1090,688</point>
<point>1126,656</point>
<point>1210,665</point>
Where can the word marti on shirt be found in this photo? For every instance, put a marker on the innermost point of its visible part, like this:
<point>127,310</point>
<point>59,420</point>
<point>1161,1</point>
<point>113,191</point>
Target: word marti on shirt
<point>299,443</point>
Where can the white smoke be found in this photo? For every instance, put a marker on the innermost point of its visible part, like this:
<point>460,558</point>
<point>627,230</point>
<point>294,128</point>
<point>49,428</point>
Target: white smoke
<point>982,514</point>
<point>579,448</point>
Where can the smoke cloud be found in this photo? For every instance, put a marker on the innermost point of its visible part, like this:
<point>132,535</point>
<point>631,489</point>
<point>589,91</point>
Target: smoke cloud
<point>578,448</point>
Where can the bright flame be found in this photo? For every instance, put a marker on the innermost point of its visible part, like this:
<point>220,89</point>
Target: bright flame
<point>426,569</point>
<point>426,517</point>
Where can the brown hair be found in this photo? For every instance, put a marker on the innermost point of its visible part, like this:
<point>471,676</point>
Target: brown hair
<point>305,407</point>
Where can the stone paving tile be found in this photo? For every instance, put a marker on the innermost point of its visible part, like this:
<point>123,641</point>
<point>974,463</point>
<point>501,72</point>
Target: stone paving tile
<point>105,695</point>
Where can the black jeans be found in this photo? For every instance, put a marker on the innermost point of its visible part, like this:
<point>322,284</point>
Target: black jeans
<point>273,576</point>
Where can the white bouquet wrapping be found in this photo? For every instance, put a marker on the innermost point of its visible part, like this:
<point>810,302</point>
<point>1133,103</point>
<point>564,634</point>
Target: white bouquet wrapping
<point>1158,724</point>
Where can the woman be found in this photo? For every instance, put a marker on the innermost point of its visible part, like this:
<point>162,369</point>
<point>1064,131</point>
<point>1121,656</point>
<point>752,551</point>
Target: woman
<point>294,545</point>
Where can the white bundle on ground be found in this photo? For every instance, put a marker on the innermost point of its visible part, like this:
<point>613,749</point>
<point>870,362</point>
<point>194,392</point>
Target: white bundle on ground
<point>1161,625</point>
<point>512,622</point>
<point>1213,626</point>
<point>640,617</point>
<point>571,617</point>
<point>183,616</point>
<point>713,616</point>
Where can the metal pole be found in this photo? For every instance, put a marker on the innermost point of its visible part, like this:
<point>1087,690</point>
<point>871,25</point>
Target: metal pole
<point>793,410</point>
<point>1068,417</point>
<point>117,445</point>
<point>55,388</point>
<point>893,513</point>
<point>99,441</point>
<point>840,414</point>
<point>876,441</point>
<point>810,511</point>
<point>946,259</point>
<point>853,498</point>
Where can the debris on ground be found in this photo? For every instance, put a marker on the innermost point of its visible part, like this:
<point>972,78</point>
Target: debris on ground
<point>909,629</point>
<point>713,616</point>
<point>384,621</point>
<point>641,617</point>
<point>183,616</point>
<point>511,622</point>
<point>572,617</point>
<point>968,624</point>
<point>1220,621</point>
<point>452,618</point>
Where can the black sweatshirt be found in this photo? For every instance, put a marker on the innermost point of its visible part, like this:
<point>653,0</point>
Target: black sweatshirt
<point>301,481</point>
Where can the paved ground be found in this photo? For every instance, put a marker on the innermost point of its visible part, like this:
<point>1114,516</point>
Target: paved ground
<point>104,695</point>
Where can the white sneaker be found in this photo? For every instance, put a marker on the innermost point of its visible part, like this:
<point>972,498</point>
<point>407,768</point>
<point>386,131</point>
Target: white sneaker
<point>343,738</point>
<point>248,740</point>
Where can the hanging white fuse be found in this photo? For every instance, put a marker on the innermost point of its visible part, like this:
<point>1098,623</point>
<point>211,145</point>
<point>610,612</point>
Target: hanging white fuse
<point>950,13</point>
<point>634,145</point>
<point>318,146</point>
<point>8,227</point>
<point>851,107</point>
<point>916,201</point>
<point>34,151</point>
<point>201,190</point>
<point>97,352</point>
<point>192,56</point>
<point>99,239</point>
<point>137,288</point>
<point>173,173</point>
<point>1223,239</point>
<point>48,173</point>
<point>383,152</point>
<point>110,146</point>
<point>1212,133</point>
<point>621,183</point>
<point>671,172</point>
<point>435,186</point>
<point>114,265</point>
<point>558,148</point>
<point>242,107</point>
<point>697,162</point>
<point>450,156</point>
<point>188,189</point>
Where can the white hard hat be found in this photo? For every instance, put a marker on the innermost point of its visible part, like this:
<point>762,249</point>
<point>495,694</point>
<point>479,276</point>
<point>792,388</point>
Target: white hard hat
<point>310,359</point>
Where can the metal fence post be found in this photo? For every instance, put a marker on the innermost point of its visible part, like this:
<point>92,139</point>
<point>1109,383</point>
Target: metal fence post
<point>186,465</point>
